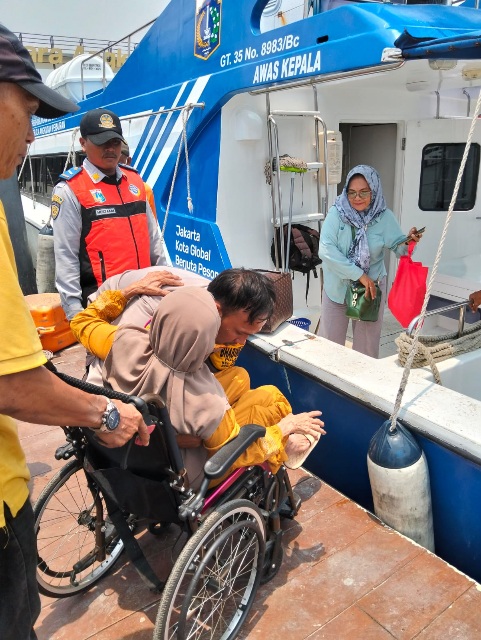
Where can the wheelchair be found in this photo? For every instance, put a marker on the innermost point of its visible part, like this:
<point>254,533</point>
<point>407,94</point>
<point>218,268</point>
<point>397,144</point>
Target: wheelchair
<point>87,515</point>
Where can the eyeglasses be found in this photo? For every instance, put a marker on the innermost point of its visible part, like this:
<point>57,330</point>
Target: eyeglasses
<point>363,194</point>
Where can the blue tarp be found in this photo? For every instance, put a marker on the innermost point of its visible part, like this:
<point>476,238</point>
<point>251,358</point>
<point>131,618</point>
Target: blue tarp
<point>467,46</point>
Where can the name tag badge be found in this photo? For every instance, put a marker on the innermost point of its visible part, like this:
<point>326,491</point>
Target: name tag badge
<point>104,212</point>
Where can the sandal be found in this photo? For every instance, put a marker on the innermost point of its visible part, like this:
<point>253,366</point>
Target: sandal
<point>296,460</point>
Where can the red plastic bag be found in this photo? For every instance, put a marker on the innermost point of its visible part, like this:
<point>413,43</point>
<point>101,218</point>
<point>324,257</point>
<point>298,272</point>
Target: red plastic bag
<point>407,293</point>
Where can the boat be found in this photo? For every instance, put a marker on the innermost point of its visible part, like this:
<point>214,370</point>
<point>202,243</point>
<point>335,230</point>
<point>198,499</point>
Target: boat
<point>216,90</point>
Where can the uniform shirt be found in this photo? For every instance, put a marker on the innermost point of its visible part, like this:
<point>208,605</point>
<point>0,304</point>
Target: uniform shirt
<point>150,198</point>
<point>20,350</point>
<point>382,233</point>
<point>67,226</point>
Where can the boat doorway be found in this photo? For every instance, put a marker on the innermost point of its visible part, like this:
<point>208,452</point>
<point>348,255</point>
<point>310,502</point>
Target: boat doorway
<point>374,145</point>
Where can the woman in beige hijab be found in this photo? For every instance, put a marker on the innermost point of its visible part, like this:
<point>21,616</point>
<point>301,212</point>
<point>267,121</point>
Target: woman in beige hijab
<point>169,360</point>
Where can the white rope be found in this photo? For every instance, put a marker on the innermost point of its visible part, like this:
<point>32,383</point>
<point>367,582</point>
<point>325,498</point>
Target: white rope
<point>185,116</point>
<point>23,163</point>
<point>71,153</point>
<point>31,175</point>
<point>182,143</point>
<point>412,353</point>
<point>439,347</point>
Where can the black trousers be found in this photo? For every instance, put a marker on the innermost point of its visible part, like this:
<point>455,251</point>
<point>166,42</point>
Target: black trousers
<point>19,598</point>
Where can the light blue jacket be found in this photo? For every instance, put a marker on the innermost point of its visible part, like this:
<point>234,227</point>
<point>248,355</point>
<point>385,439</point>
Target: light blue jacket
<point>336,237</point>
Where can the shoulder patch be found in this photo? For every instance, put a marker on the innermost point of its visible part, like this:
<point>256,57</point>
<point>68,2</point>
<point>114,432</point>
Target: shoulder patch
<point>70,173</point>
<point>55,206</point>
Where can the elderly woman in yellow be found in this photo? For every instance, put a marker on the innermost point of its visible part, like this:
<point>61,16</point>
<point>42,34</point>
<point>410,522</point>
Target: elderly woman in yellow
<point>169,360</point>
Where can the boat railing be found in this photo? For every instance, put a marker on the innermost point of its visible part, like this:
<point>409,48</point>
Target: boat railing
<point>315,7</point>
<point>317,166</point>
<point>187,105</point>
<point>450,307</point>
<point>106,49</point>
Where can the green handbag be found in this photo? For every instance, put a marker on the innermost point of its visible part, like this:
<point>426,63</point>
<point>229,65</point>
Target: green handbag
<point>358,307</point>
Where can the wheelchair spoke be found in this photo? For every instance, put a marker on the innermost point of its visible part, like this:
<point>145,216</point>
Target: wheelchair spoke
<point>213,583</point>
<point>67,518</point>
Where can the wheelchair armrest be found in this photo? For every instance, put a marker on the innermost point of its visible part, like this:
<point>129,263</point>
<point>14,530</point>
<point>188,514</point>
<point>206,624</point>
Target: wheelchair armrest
<point>220,462</point>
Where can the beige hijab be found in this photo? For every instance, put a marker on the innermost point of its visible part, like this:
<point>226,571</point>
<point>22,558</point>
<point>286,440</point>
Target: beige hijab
<point>169,359</point>
<point>140,309</point>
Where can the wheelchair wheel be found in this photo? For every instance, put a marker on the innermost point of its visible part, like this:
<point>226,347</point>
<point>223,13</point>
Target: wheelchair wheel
<point>214,581</point>
<point>76,544</point>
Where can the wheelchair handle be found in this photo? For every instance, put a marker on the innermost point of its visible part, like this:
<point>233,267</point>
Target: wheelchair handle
<point>139,403</point>
<point>153,399</point>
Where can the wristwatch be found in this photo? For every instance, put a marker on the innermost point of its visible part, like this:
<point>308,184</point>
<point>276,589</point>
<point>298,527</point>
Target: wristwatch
<point>110,417</point>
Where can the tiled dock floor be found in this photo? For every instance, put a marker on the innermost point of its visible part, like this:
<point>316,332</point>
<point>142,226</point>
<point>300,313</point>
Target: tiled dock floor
<point>344,577</point>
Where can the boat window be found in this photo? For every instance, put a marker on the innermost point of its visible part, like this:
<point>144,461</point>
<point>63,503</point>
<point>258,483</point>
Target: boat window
<point>43,175</point>
<point>55,165</point>
<point>279,13</point>
<point>272,8</point>
<point>32,178</point>
<point>439,169</point>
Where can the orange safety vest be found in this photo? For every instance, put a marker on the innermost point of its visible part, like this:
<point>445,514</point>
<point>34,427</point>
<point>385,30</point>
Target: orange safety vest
<point>115,233</point>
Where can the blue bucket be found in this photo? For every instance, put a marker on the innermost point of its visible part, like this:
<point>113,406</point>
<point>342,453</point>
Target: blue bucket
<point>302,323</point>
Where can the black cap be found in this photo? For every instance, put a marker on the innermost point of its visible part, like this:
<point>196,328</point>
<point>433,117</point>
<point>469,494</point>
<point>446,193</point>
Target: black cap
<point>16,66</point>
<point>101,125</point>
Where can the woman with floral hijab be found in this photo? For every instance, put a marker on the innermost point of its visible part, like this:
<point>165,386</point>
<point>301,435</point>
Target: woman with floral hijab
<point>357,230</point>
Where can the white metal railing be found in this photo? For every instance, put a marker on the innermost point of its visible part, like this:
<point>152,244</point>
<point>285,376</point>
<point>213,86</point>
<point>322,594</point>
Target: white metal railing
<point>457,305</point>
<point>107,49</point>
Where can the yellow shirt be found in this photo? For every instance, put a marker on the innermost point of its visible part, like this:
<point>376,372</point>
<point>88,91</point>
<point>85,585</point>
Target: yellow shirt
<point>91,326</point>
<point>20,349</point>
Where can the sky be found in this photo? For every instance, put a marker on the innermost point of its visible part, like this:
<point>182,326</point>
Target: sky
<point>82,19</point>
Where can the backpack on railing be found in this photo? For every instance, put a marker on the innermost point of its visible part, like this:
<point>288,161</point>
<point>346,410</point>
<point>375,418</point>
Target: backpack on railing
<point>302,254</point>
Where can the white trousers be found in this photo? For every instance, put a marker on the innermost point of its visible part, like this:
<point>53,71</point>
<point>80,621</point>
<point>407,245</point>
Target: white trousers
<point>334,324</point>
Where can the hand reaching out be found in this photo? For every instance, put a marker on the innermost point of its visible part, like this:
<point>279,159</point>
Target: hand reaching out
<point>151,284</point>
<point>307,423</point>
<point>475,300</point>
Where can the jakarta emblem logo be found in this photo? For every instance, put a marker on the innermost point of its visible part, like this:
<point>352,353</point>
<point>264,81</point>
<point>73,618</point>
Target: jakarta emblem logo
<point>207,27</point>
<point>98,196</point>
<point>106,121</point>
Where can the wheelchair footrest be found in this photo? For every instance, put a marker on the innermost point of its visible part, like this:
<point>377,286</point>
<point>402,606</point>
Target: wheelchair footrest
<point>289,510</point>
